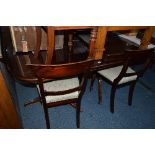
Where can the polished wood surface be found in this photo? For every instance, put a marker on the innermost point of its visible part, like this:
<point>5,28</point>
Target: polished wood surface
<point>50,49</point>
<point>18,62</point>
<point>9,118</point>
<point>108,49</point>
<point>147,37</point>
<point>73,27</point>
<point>100,43</point>
<point>116,28</point>
<point>23,73</point>
<point>51,39</point>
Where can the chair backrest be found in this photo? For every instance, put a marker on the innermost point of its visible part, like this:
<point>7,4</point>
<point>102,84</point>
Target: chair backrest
<point>142,57</point>
<point>61,71</point>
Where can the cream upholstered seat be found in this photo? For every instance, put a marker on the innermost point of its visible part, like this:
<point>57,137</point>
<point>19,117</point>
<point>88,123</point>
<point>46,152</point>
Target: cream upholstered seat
<point>61,85</point>
<point>112,73</point>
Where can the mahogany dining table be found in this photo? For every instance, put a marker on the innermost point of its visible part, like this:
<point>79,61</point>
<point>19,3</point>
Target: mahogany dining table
<point>109,51</point>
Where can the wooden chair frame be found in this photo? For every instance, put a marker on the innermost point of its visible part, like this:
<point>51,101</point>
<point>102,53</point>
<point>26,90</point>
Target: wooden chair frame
<point>130,56</point>
<point>61,71</point>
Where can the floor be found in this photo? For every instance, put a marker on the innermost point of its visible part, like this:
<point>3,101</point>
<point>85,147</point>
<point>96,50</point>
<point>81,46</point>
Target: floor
<point>141,115</point>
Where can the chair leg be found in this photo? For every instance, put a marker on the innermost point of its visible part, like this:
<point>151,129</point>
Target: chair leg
<point>112,98</point>
<point>131,90</point>
<point>92,81</point>
<point>99,90</point>
<point>46,116</point>
<point>78,115</point>
<point>35,100</point>
<point>74,105</point>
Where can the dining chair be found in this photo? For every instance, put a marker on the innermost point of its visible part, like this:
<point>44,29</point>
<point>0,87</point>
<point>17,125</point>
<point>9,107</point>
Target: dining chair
<point>125,74</point>
<point>49,58</point>
<point>63,85</point>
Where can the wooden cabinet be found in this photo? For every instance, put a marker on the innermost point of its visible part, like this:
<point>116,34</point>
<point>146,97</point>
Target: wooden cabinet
<point>9,118</point>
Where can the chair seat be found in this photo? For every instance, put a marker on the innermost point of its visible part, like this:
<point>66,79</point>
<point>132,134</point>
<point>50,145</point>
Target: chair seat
<point>61,85</point>
<point>112,73</point>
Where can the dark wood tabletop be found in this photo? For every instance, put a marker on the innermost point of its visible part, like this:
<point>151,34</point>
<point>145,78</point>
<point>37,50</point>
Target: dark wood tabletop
<point>112,57</point>
<point>16,61</point>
